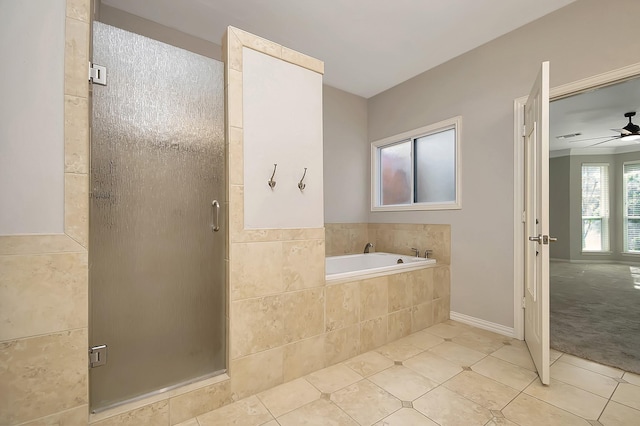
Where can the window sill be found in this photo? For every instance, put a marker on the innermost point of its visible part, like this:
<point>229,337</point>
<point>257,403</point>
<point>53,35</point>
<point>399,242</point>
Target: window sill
<point>631,254</point>
<point>597,253</point>
<point>416,207</point>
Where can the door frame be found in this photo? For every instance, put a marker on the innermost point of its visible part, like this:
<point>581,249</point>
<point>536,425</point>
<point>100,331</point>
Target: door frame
<point>559,92</point>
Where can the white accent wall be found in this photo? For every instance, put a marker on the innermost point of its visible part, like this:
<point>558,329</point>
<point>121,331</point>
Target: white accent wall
<point>282,125</point>
<point>31,116</point>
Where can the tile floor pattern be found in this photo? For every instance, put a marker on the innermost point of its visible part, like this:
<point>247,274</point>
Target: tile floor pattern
<point>448,374</point>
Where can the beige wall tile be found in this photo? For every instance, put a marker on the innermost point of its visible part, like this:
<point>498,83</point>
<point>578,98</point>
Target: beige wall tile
<point>73,417</point>
<point>303,314</point>
<point>236,212</point>
<point>42,375</point>
<point>76,58</point>
<point>399,324</point>
<point>441,309</point>
<point>342,344</point>
<point>346,238</point>
<point>373,333</point>
<point>234,98</point>
<point>79,9</point>
<point>400,290</point>
<point>441,282</point>
<point>303,264</point>
<point>291,234</point>
<point>233,49</point>
<point>256,269</point>
<point>236,156</point>
<point>374,297</point>
<point>422,286</point>
<point>258,43</point>
<point>153,414</point>
<point>42,294</point>
<point>304,357</point>
<point>255,373</point>
<point>39,244</point>
<point>342,306</point>
<point>258,235</point>
<point>302,60</point>
<point>76,134</point>
<point>256,325</point>
<point>421,316</point>
<point>200,401</point>
<point>76,207</point>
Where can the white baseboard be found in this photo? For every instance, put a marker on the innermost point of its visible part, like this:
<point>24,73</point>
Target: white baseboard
<point>480,323</point>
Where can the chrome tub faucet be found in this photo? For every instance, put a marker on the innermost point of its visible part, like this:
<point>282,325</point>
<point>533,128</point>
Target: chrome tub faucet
<point>367,247</point>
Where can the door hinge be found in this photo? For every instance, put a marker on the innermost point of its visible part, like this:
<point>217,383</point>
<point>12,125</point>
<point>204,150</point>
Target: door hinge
<point>97,74</point>
<point>524,217</point>
<point>524,302</point>
<point>97,356</point>
<point>524,130</point>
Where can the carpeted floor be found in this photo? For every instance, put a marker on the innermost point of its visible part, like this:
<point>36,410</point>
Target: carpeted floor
<point>595,312</point>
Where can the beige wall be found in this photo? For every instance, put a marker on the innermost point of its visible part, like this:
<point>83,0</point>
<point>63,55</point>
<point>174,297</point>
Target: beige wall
<point>587,37</point>
<point>346,157</point>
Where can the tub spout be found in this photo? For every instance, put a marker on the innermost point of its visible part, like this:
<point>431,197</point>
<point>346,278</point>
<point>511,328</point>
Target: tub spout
<point>367,247</point>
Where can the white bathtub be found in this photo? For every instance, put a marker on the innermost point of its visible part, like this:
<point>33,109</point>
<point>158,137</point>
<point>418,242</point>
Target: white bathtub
<point>371,265</point>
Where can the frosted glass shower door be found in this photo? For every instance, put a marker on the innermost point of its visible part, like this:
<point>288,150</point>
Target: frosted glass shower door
<point>156,267</point>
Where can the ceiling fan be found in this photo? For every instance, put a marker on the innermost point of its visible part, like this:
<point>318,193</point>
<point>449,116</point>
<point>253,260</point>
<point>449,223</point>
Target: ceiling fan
<point>629,133</point>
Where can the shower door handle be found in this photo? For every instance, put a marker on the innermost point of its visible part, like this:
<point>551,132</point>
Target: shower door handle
<point>215,226</point>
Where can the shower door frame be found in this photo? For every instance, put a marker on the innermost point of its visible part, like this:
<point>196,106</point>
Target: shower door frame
<point>214,376</point>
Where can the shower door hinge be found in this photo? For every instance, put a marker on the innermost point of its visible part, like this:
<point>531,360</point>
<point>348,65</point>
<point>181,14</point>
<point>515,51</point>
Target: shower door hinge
<point>524,303</point>
<point>97,356</point>
<point>97,74</point>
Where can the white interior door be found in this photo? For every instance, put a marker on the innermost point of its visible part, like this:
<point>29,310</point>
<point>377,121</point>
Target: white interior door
<point>536,328</point>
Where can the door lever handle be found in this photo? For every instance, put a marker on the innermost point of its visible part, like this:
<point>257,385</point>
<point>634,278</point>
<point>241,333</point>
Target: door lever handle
<point>215,226</point>
<point>537,239</point>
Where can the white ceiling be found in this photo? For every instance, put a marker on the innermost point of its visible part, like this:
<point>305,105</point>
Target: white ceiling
<point>368,46</point>
<point>594,114</point>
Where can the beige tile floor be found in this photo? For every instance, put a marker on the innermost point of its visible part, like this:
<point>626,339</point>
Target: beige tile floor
<point>449,374</point>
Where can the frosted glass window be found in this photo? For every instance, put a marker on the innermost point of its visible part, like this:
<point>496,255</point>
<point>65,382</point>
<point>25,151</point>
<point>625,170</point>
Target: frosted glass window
<point>417,170</point>
<point>435,159</point>
<point>395,172</point>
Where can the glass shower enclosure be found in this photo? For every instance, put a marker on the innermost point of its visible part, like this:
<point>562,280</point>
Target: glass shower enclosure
<point>157,238</point>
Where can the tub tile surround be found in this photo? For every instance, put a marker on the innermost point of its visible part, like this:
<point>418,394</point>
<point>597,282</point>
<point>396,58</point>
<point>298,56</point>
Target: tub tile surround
<point>350,238</point>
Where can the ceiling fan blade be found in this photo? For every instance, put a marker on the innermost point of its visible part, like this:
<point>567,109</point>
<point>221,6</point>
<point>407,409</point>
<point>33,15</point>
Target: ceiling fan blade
<point>592,139</point>
<point>622,131</point>
<point>609,140</point>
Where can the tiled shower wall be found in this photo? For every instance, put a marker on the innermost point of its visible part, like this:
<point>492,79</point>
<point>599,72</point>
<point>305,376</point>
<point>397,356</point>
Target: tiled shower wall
<point>44,278</point>
<point>350,238</point>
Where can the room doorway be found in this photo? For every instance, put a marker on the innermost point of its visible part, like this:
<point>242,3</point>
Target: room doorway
<point>603,80</point>
<point>594,174</point>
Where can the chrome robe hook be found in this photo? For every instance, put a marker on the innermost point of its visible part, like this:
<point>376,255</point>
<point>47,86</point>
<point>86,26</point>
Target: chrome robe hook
<point>271,182</point>
<point>301,185</point>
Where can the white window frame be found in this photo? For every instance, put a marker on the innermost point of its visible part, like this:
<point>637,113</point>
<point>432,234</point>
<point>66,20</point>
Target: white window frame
<point>605,228</point>
<point>625,246</point>
<point>452,123</point>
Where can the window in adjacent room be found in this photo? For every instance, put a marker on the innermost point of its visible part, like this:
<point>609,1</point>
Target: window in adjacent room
<point>595,207</point>
<point>631,223</point>
<point>417,170</point>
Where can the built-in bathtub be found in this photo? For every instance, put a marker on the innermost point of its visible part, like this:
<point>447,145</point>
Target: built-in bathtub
<point>370,265</point>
